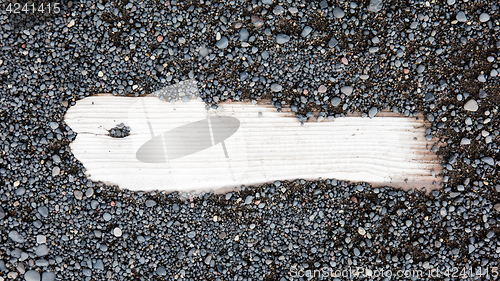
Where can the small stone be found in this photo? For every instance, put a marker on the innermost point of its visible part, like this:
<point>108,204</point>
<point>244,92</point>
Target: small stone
<point>481,78</point>
<point>265,55</point>
<point>192,234</point>
<point>347,90</point>
<point>48,276</point>
<point>461,17</point>
<point>471,106</point>
<point>488,160</point>
<point>338,13</point>
<point>89,192</point>
<point>249,199</point>
<point>375,6</point>
<point>150,203</point>
<point>78,194</point>
<point>497,207</point>
<point>41,239</point>
<point>282,38</point>
<point>276,87</point>
<point>222,43</point>
<point>361,231</point>
<point>159,38</point>
<point>16,237</point>
<point>336,101</point>
<point>471,249</point>
<point>53,125</point>
<point>107,216</point>
<point>278,10</point>
<point>373,111</point>
<point>55,171</point>
<point>2,213</point>
<point>117,232</point>
<point>322,89</point>
<point>244,35</point>
<point>243,76</point>
<point>420,69</point>
<point>333,42</point>
<point>42,250</point>
<point>257,22</point>
<point>71,23</point>
<point>32,275</point>
<point>484,17</point>
<point>344,61</point>
<point>306,31</point>
<point>43,211</point>
<point>161,271</point>
<point>482,94</point>
<point>465,141</point>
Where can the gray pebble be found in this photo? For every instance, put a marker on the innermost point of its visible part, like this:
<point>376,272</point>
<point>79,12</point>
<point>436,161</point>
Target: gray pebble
<point>43,211</point>
<point>55,171</point>
<point>244,34</point>
<point>482,94</point>
<point>32,275</point>
<point>161,271</point>
<point>265,55</point>
<point>461,17</point>
<point>338,13</point>
<point>488,160</point>
<point>276,87</point>
<point>78,194</point>
<point>222,43</point>
<point>243,76</point>
<point>53,125</point>
<point>471,105</point>
<point>42,250</point>
<point>484,17</point>
<point>347,90</point>
<point>333,42</point>
<point>150,203</point>
<point>48,276</point>
<point>89,192</point>
<point>465,141</point>
<point>373,111</point>
<point>249,199</point>
<point>306,31</point>
<point>106,216</point>
<point>16,237</point>
<point>282,38</point>
<point>375,6</point>
<point>336,101</point>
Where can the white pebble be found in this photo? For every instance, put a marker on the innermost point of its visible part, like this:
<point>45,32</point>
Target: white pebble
<point>117,232</point>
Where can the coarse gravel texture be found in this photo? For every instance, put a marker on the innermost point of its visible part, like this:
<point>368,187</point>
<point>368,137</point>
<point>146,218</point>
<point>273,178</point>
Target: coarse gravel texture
<point>325,58</point>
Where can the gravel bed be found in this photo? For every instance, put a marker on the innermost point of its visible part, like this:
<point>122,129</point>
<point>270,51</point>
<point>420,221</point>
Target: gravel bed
<point>329,58</point>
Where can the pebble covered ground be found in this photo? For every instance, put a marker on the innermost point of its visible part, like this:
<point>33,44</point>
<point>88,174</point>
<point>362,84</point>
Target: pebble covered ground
<point>438,58</point>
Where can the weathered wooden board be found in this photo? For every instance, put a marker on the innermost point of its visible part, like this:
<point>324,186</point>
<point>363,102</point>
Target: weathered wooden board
<point>266,146</point>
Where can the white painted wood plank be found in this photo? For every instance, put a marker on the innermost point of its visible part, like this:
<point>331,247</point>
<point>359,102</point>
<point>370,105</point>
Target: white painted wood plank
<point>267,146</point>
